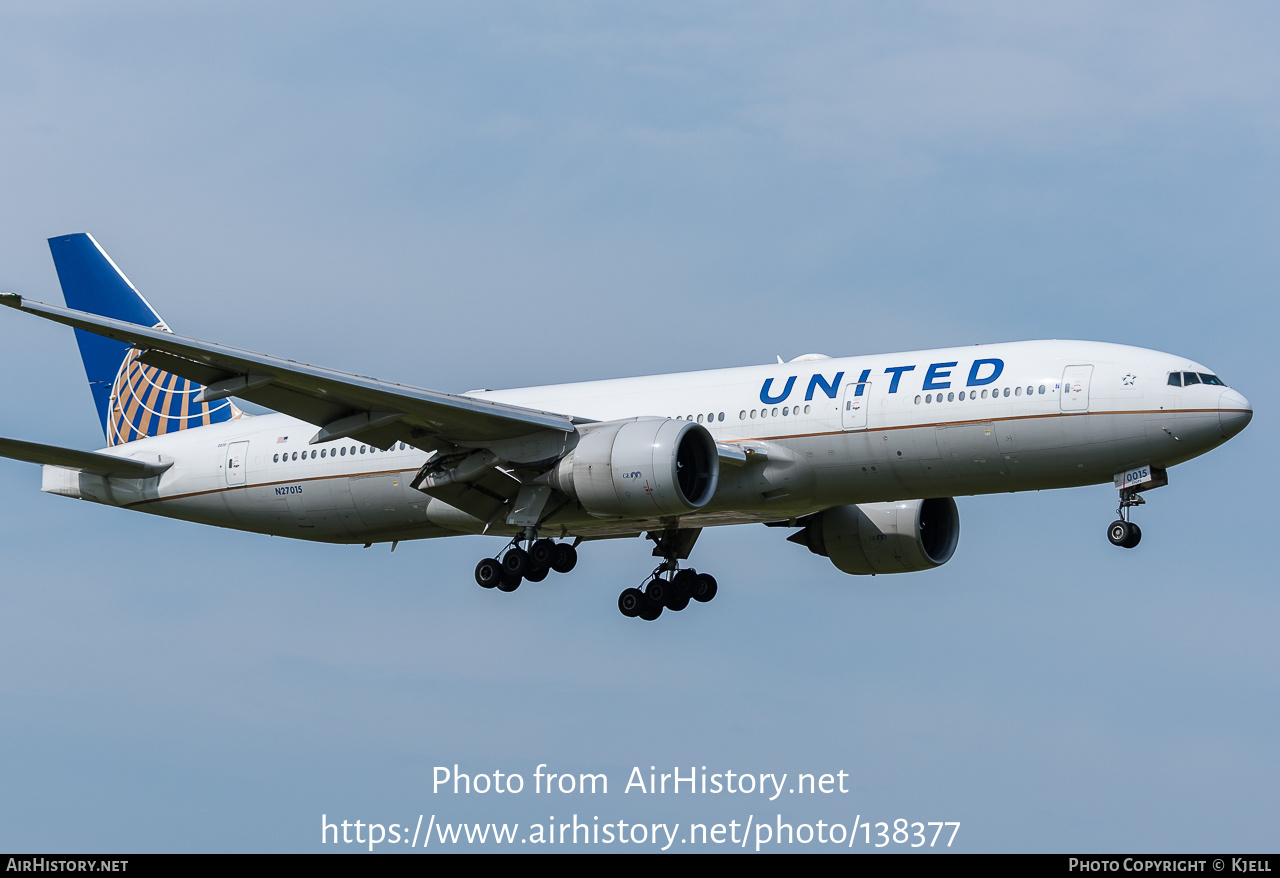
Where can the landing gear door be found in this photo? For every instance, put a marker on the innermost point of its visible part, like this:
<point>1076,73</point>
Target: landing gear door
<point>237,463</point>
<point>854,405</point>
<point>1074,395</point>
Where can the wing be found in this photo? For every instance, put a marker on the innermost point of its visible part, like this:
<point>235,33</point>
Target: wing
<point>342,405</point>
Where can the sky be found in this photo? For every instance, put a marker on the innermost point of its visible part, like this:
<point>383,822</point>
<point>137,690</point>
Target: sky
<point>466,195</point>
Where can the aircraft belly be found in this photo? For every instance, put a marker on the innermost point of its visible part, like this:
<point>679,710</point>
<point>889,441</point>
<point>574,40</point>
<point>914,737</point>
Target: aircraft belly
<point>381,500</point>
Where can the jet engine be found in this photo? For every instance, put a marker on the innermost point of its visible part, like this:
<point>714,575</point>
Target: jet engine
<point>899,537</point>
<point>640,469</point>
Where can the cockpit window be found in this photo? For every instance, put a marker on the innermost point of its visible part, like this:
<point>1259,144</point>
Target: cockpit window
<point>1189,378</point>
<point>1212,379</point>
<point>1175,379</point>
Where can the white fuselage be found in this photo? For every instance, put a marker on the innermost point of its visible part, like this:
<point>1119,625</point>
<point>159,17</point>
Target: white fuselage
<point>957,421</point>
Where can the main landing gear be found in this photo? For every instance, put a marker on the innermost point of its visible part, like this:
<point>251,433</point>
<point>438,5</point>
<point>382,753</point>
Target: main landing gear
<point>672,592</point>
<point>515,565</point>
<point>669,587</point>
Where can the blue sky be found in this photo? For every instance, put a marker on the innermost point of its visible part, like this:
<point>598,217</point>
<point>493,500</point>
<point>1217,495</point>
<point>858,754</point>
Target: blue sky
<point>488,195</point>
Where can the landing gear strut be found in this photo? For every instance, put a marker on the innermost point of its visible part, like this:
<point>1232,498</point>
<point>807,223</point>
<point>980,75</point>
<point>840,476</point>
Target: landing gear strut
<point>517,564</point>
<point>669,587</point>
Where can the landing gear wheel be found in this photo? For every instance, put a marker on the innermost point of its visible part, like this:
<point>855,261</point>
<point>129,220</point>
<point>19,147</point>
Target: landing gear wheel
<point>488,573</point>
<point>649,610</point>
<point>563,557</point>
<point>541,553</point>
<point>631,602</point>
<point>683,584</point>
<point>537,574</point>
<point>509,583</point>
<point>1135,536</point>
<point>516,563</point>
<point>656,591</point>
<point>676,602</point>
<point>1118,532</point>
<point>706,588</point>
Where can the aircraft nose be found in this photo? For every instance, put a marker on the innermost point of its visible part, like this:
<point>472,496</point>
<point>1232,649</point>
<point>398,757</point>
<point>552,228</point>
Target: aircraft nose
<point>1234,412</point>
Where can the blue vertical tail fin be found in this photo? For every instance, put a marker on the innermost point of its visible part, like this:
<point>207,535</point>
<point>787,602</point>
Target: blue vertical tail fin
<point>134,400</point>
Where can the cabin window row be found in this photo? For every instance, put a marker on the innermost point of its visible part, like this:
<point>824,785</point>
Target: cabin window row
<point>952,396</point>
<point>314,453</point>
<point>775,412</point>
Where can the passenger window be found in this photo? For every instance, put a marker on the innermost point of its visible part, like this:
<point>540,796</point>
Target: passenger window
<point>984,394</point>
<point>806,410</point>
<point>1017,391</point>
<point>721,418</point>
<point>275,458</point>
<point>1042,388</point>
<point>742,415</point>
<point>343,452</point>
<point>753,414</point>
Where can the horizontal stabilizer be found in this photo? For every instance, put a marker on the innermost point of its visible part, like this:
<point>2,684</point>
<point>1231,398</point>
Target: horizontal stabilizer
<point>85,461</point>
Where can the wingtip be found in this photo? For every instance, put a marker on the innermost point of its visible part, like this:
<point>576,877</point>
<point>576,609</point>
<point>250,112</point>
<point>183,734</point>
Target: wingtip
<point>13,300</point>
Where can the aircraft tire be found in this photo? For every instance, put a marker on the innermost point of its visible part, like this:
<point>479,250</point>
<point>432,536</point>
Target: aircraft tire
<point>656,591</point>
<point>1118,532</point>
<point>537,574</point>
<point>563,558</point>
<point>649,610</point>
<point>509,583</point>
<point>706,588</point>
<point>541,553</point>
<point>488,573</point>
<point>630,602</point>
<point>684,583</point>
<point>516,563</point>
<point>1135,536</point>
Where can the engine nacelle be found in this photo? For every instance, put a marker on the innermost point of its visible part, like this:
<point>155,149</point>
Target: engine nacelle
<point>641,469</point>
<point>900,537</point>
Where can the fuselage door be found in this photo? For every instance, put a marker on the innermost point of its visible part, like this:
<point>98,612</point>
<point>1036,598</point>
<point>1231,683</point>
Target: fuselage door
<point>1075,388</point>
<point>236,470</point>
<point>854,405</point>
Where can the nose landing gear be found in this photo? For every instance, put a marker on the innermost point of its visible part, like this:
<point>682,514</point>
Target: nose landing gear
<point>1122,532</point>
<point>1131,483</point>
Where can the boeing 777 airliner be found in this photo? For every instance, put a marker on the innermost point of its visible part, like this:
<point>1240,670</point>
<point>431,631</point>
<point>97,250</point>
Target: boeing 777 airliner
<point>860,456</point>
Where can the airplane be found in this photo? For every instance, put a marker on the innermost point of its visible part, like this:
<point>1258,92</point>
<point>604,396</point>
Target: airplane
<point>861,457</point>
